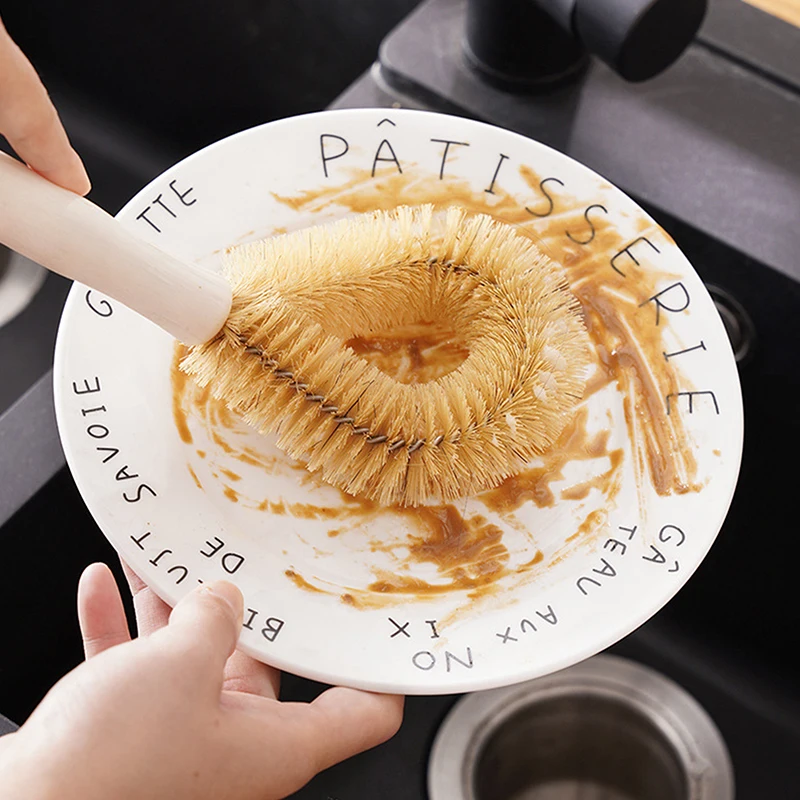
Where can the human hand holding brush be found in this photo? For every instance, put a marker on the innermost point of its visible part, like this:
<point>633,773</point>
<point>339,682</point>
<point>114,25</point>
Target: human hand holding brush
<point>31,124</point>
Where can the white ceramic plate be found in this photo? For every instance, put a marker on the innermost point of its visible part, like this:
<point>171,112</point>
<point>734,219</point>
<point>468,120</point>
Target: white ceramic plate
<point>492,590</point>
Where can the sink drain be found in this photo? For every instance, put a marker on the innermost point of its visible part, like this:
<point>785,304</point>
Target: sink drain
<point>737,322</point>
<point>20,279</point>
<point>606,729</point>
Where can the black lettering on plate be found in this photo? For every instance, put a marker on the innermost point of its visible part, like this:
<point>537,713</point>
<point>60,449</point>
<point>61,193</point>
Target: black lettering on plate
<point>674,305</point>
<point>628,251</point>
<point>691,396</point>
<point>423,660</point>
<point>141,489</point>
<point>140,539</point>
<point>669,531</point>
<point>182,195</point>
<point>87,387</point>
<point>490,190</point>
<point>177,568</point>
<point>701,346</point>
<point>399,629</point>
<point>592,229</point>
<point>446,143</point>
<point>506,637</point>
<point>391,158</point>
<point>323,139</point>
<point>550,202</point>
<point>273,626</point>
<point>449,658</point>
<point>102,308</point>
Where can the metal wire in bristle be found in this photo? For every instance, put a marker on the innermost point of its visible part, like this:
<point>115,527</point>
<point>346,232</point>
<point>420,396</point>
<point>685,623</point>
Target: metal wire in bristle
<point>282,363</point>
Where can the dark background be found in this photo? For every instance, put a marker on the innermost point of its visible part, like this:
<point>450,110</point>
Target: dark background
<point>191,72</point>
<point>141,85</point>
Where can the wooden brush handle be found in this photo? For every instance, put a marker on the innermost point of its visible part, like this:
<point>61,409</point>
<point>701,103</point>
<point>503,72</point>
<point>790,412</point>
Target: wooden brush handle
<point>77,239</point>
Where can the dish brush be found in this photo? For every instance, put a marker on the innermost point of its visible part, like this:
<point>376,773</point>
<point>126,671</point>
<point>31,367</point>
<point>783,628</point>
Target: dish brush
<point>268,335</point>
<point>281,362</point>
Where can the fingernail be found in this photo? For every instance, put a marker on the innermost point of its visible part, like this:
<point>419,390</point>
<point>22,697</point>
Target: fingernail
<point>226,591</point>
<point>86,186</point>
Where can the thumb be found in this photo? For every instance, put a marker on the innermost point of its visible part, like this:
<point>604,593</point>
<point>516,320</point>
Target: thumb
<point>203,630</point>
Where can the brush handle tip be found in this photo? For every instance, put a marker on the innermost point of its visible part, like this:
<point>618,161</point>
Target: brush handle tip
<point>75,238</point>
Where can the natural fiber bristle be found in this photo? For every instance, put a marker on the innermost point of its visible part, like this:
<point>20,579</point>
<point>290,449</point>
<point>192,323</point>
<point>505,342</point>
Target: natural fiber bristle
<point>281,361</point>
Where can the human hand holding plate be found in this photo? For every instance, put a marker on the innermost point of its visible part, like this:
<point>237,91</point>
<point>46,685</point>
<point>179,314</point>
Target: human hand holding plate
<point>102,731</point>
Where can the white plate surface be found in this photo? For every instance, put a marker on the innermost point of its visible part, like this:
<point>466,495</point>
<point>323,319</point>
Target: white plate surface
<point>491,590</point>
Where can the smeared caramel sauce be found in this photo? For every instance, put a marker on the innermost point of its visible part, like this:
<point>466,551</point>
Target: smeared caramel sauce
<point>630,353</point>
<point>194,477</point>
<point>468,551</point>
<point>273,508</point>
<point>593,522</point>
<point>415,353</point>
<point>301,582</point>
<point>537,559</point>
<point>180,384</point>
<point>307,511</point>
<point>606,483</point>
<point>231,494</point>
<point>533,484</point>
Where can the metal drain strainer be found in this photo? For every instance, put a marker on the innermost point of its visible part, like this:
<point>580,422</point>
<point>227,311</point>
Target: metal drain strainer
<point>605,729</point>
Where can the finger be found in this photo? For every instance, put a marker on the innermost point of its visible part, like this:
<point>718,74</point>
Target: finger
<point>339,724</point>
<point>242,673</point>
<point>101,614</point>
<point>349,721</point>
<point>203,630</point>
<point>245,674</point>
<point>30,122</point>
<point>152,613</point>
<point>305,738</point>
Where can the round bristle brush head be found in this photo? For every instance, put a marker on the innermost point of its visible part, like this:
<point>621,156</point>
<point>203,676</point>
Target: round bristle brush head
<point>281,359</point>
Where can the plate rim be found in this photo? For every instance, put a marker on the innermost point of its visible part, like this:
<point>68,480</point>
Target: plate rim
<point>524,671</point>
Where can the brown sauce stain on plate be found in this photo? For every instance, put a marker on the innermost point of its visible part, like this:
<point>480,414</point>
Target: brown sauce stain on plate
<point>605,483</point>
<point>194,476</point>
<point>180,385</point>
<point>533,484</point>
<point>468,551</point>
<point>301,582</point>
<point>231,494</point>
<point>273,508</point>
<point>630,353</point>
<point>593,522</point>
<point>308,511</point>
<point>416,353</point>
